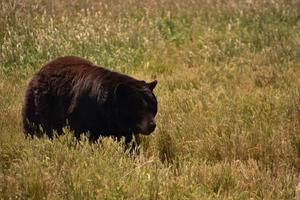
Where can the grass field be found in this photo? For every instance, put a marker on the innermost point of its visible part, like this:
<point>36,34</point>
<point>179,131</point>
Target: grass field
<point>228,92</point>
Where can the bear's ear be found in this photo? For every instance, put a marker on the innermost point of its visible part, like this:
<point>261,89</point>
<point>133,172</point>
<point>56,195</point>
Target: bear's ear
<point>122,92</point>
<point>152,85</point>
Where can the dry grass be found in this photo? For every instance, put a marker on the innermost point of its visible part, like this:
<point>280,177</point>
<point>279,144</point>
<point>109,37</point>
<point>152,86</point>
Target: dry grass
<point>228,92</point>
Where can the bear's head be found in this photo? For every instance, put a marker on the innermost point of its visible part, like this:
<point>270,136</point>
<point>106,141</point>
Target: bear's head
<point>136,106</point>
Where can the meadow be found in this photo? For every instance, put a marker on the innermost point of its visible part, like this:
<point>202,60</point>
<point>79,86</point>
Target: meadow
<point>228,92</point>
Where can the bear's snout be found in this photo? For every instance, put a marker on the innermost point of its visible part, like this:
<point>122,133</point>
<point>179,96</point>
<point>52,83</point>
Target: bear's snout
<point>147,125</point>
<point>151,126</point>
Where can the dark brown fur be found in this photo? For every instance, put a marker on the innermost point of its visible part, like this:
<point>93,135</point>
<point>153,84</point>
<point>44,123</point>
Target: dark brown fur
<point>74,91</point>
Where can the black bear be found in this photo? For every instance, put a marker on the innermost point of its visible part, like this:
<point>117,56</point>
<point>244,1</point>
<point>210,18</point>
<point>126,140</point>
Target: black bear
<point>88,98</point>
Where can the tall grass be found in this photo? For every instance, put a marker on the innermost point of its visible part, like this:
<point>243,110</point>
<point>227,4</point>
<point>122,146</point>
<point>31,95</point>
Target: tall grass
<point>228,93</point>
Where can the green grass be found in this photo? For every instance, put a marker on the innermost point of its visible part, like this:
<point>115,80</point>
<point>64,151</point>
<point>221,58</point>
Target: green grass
<point>228,92</point>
